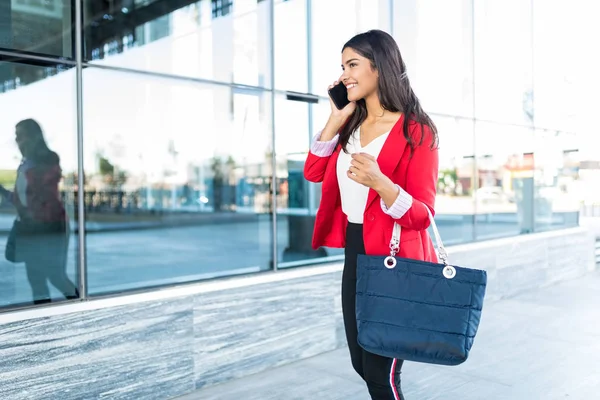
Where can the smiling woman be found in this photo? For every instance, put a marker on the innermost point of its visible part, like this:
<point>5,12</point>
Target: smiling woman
<point>377,158</point>
<point>358,68</point>
<point>382,80</point>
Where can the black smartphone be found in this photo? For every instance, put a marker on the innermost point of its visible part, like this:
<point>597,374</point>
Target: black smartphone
<point>339,95</point>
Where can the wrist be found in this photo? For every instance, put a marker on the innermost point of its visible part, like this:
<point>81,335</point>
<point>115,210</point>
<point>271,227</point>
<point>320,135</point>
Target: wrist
<point>331,129</point>
<point>385,185</point>
<point>335,122</point>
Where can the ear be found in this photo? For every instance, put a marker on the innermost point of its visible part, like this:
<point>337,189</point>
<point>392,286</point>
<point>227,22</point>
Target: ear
<point>374,69</point>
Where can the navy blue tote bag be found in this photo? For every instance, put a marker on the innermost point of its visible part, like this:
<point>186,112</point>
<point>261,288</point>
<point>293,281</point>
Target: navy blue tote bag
<point>417,310</point>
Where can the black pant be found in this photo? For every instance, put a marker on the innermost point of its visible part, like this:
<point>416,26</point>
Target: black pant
<point>45,254</point>
<point>381,374</point>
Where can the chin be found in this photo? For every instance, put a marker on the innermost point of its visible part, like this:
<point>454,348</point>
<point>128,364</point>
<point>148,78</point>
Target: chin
<point>354,97</point>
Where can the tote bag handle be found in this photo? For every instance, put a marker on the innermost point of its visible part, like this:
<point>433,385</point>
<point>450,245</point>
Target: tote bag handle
<point>390,262</point>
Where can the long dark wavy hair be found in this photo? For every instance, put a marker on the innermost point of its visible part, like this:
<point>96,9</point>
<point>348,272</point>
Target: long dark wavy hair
<point>37,148</point>
<point>395,92</point>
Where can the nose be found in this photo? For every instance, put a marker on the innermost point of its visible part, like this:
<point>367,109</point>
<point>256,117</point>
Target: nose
<point>343,77</point>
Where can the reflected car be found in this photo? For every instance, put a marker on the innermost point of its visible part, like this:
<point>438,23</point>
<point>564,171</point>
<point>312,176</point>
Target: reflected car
<point>493,194</point>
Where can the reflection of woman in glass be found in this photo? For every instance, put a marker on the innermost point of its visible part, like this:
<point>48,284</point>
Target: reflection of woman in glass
<point>42,237</point>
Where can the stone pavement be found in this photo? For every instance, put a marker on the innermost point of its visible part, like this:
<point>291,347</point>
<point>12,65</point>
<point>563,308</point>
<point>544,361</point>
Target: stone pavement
<point>544,344</point>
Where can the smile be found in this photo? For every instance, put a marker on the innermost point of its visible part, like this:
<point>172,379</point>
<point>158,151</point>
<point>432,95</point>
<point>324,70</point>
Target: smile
<point>351,86</point>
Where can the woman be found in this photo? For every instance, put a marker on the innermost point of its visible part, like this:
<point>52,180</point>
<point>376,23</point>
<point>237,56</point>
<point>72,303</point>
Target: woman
<point>41,229</point>
<point>378,161</point>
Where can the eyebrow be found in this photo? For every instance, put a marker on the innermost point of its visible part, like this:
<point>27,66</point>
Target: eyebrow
<point>350,60</point>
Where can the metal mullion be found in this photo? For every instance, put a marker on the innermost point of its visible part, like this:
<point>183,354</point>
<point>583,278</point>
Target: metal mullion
<point>82,278</point>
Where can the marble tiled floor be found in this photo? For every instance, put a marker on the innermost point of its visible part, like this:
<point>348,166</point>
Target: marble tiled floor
<point>541,344</point>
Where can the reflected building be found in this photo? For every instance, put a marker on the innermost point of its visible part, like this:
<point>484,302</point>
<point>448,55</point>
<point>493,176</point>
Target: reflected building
<point>201,113</point>
<point>182,126</point>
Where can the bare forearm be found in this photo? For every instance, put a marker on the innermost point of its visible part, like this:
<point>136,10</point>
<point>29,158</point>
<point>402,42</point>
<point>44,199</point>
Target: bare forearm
<point>387,190</point>
<point>331,128</point>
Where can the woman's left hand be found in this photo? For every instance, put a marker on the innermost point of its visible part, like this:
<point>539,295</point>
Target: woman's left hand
<point>365,170</point>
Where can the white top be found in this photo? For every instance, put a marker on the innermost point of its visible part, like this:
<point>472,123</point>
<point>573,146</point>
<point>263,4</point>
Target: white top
<point>354,195</point>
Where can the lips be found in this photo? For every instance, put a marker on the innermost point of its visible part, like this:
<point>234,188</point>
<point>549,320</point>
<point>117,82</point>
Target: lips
<point>350,86</point>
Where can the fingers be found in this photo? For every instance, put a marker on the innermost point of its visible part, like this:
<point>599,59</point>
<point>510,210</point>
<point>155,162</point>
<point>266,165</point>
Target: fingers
<point>363,158</point>
<point>352,176</point>
<point>357,159</point>
<point>368,156</point>
<point>332,85</point>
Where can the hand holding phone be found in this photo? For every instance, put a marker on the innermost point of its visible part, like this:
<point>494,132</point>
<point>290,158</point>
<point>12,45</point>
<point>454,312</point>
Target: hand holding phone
<point>339,95</point>
<point>341,110</point>
<point>340,105</point>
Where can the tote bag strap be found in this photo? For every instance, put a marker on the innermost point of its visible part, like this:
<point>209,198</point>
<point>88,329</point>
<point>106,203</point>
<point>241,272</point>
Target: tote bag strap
<point>395,242</point>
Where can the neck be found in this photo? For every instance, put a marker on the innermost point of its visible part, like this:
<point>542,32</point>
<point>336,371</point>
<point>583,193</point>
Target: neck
<point>374,109</point>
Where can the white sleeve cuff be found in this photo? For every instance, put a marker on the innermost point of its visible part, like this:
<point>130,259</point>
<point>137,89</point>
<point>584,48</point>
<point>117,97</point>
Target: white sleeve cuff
<point>401,205</point>
<point>323,149</point>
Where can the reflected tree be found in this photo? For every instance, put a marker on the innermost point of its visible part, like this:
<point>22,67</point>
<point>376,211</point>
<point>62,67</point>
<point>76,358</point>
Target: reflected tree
<point>112,175</point>
<point>448,181</point>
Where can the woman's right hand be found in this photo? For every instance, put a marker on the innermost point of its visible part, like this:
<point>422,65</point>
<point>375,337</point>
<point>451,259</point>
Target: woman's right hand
<point>340,115</point>
<point>337,119</point>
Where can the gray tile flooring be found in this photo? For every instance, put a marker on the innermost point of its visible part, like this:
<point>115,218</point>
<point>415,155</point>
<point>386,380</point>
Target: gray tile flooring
<point>540,344</point>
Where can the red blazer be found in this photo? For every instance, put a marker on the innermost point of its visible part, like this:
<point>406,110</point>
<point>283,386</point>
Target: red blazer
<point>417,175</point>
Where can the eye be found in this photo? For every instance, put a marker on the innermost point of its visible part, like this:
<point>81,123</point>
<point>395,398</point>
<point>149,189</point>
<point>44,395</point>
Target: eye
<point>352,65</point>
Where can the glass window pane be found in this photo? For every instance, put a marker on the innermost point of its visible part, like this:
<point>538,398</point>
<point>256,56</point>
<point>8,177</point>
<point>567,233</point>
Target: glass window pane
<point>291,65</point>
<point>43,27</point>
<point>294,223</point>
<point>178,181</point>
<point>230,44</point>
<point>505,186</point>
<point>38,189</point>
<point>435,38</point>
<point>558,191</point>
<point>297,199</point>
<point>454,203</point>
<point>555,29</point>
<point>320,114</point>
<point>338,21</point>
<point>503,61</point>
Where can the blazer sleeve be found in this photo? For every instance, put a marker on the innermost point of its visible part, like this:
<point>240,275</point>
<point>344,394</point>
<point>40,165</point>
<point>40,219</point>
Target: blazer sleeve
<point>318,157</point>
<point>421,182</point>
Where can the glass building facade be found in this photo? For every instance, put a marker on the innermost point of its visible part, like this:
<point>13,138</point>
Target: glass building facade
<point>182,126</point>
